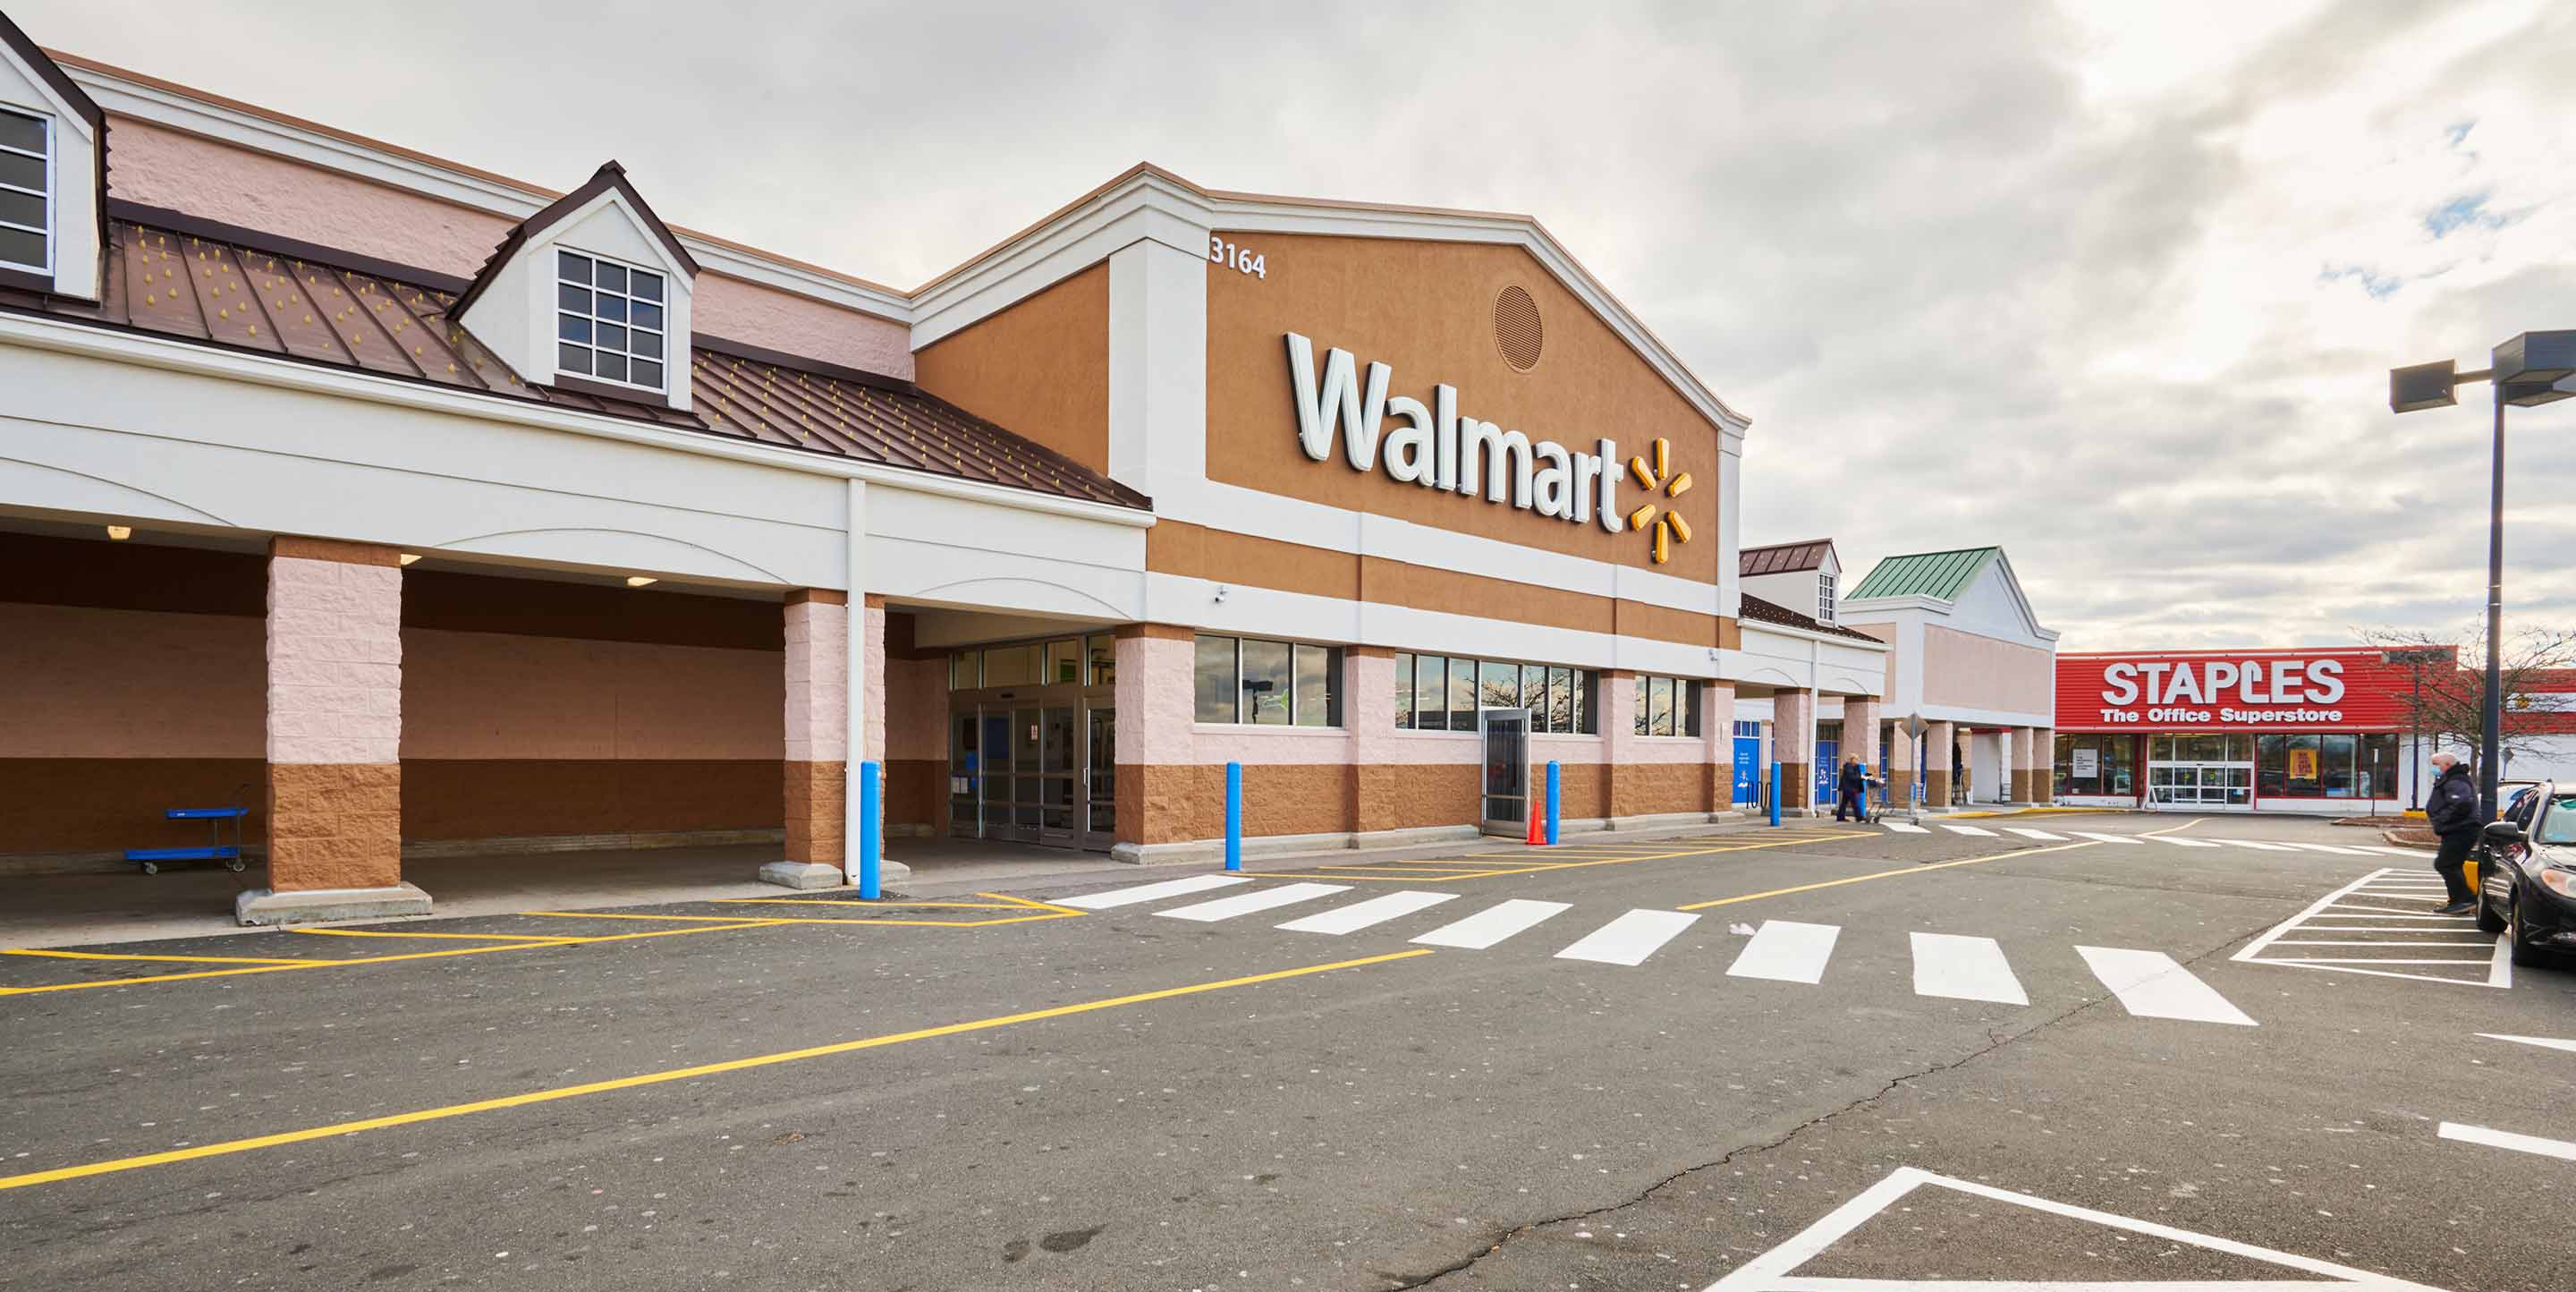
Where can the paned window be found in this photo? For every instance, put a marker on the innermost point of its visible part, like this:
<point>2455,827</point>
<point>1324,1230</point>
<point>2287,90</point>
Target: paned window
<point>2097,764</point>
<point>1436,693</point>
<point>608,320</point>
<point>1267,683</point>
<point>1666,706</point>
<point>26,192</point>
<point>1824,597</point>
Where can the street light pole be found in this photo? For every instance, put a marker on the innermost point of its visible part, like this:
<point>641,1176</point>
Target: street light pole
<point>2491,737</point>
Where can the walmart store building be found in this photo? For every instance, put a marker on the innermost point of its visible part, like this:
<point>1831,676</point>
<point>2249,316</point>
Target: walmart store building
<point>431,512</point>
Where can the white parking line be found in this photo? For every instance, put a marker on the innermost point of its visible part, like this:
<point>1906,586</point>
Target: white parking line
<point>2027,833</point>
<point>2337,849</point>
<point>2557,1148</point>
<point>1492,924</point>
<point>1150,892</point>
<point>1903,828</point>
<point>2105,838</point>
<point>2257,844</point>
<point>2545,1042</point>
<point>1226,908</point>
<point>2150,984</point>
<point>1964,968</point>
<point>1629,939</point>
<point>1969,829</point>
<point>2180,842</point>
<point>1787,951</point>
<point>1361,915</point>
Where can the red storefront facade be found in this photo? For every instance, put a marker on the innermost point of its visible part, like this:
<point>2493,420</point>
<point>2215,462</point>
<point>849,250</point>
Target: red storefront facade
<point>2320,730</point>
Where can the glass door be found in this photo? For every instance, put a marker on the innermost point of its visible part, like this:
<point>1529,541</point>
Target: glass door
<point>1100,778</point>
<point>965,799</point>
<point>1507,779</point>
<point>993,821</point>
<point>1027,783</point>
<point>2201,773</point>
<point>1059,780</point>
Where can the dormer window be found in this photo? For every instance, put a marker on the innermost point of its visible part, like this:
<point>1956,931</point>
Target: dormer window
<point>26,192</point>
<point>608,320</point>
<point>1824,597</point>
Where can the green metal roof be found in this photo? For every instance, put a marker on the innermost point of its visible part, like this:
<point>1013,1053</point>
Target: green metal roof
<point>1925,574</point>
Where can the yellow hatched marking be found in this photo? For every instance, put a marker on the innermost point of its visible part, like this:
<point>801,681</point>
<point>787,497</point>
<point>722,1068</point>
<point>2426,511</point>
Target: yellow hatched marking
<point>294,965</point>
<point>336,1129</point>
<point>185,960</point>
<point>799,919</point>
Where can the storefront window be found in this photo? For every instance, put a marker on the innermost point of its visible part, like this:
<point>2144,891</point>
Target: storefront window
<point>2103,765</point>
<point>1462,695</point>
<point>1403,690</point>
<point>1498,686</point>
<point>2378,764</point>
<point>1267,683</point>
<point>1666,706</point>
<point>1437,694</point>
<point>1560,699</point>
<point>1063,663</point>
<point>1104,660</point>
<point>2311,765</point>
<point>1431,693</point>
<point>965,670</point>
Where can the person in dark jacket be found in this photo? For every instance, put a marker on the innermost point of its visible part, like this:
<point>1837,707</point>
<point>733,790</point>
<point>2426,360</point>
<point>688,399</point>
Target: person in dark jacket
<point>1852,790</point>
<point>2452,810</point>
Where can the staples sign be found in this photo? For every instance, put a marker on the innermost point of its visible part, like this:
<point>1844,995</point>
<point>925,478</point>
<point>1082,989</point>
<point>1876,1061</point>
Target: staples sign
<point>2167,693</point>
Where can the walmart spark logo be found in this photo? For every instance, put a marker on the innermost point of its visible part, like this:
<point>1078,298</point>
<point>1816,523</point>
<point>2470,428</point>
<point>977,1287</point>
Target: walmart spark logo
<point>1659,478</point>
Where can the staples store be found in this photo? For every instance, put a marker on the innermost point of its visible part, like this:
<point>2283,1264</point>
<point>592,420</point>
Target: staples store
<point>2312,731</point>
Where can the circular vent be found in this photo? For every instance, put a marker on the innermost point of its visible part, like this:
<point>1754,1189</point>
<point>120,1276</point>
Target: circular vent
<point>1516,328</point>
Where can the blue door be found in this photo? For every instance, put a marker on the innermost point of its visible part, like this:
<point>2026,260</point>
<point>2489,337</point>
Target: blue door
<point>1748,769</point>
<point>1826,758</point>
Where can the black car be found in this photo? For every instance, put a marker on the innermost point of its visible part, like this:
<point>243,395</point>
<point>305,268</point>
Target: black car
<point>2527,872</point>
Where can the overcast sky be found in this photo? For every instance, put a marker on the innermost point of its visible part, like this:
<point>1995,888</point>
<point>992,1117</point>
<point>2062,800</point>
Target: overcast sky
<point>2114,285</point>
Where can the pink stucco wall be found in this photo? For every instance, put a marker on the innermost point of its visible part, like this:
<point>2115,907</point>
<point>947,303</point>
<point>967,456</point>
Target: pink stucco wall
<point>161,167</point>
<point>505,696</point>
<point>1972,672</point>
<point>83,683</point>
<point>816,692</point>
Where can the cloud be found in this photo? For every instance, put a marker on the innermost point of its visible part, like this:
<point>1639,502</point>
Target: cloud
<point>2114,285</point>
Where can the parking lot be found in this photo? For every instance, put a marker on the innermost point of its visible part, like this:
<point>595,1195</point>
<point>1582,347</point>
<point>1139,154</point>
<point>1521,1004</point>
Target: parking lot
<point>1620,1063</point>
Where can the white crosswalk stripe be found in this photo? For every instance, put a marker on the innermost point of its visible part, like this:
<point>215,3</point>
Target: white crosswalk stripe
<point>1964,968</point>
<point>2333,848</point>
<point>1969,829</point>
<point>2104,838</point>
<point>1361,915</point>
<point>2180,842</point>
<point>2150,984</point>
<point>1787,951</point>
<point>1904,828</point>
<point>1226,908</point>
<point>1150,892</point>
<point>1493,924</point>
<point>2027,833</point>
<point>1629,939</point>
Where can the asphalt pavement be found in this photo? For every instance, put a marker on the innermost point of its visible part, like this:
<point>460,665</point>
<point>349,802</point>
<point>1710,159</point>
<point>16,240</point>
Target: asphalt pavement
<point>1818,1057</point>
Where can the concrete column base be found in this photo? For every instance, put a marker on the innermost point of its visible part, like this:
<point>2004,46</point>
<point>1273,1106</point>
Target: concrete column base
<point>808,874</point>
<point>261,906</point>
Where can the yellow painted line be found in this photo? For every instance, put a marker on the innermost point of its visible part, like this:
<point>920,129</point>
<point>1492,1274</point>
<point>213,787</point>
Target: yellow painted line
<point>764,920</point>
<point>293,965</point>
<point>2174,829</point>
<point>185,960</point>
<point>469,937</point>
<point>1883,874</point>
<point>522,1100</point>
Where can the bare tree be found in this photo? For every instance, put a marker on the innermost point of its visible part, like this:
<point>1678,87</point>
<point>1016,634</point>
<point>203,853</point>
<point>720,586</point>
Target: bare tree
<point>2535,670</point>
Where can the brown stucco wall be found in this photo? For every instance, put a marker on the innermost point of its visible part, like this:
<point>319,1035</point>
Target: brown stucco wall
<point>486,798</point>
<point>1039,368</point>
<point>1406,796</point>
<point>1426,308</point>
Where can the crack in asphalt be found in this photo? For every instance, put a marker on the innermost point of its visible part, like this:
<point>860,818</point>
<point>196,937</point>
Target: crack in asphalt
<point>1993,1043</point>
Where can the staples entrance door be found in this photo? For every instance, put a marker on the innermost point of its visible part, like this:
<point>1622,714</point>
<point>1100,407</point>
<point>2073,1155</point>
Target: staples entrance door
<point>1505,734</point>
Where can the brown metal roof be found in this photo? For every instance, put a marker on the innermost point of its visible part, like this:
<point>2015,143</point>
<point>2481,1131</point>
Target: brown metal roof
<point>1756,610</point>
<point>1783,558</point>
<point>250,292</point>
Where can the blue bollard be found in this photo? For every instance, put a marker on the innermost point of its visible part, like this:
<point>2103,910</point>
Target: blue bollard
<point>1555,800</point>
<point>1234,816</point>
<point>1775,793</point>
<point>870,845</point>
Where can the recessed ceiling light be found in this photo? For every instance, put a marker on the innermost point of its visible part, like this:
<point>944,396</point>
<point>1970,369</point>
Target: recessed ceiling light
<point>409,557</point>
<point>640,581</point>
<point>120,532</point>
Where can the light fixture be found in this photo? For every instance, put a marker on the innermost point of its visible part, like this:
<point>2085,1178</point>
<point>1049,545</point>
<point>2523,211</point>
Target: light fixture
<point>641,581</point>
<point>409,557</point>
<point>2422,386</point>
<point>120,533</point>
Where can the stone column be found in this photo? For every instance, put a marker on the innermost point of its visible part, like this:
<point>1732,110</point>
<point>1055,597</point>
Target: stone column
<point>815,770</point>
<point>1165,801</point>
<point>1792,727</point>
<point>1373,790</point>
<point>1860,732</point>
<point>1939,739</point>
<point>334,736</point>
<point>1617,703</point>
<point>2041,742</point>
<point>1901,770</point>
<point>1717,740</point>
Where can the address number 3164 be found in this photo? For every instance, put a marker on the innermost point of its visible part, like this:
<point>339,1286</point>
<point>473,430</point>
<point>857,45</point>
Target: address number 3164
<point>1234,257</point>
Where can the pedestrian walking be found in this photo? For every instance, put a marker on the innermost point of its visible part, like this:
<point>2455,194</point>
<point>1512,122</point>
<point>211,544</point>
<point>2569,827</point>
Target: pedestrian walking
<point>1853,790</point>
<point>2452,810</point>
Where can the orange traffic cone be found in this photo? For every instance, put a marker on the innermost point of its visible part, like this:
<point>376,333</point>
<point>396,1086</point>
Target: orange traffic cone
<point>1537,835</point>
